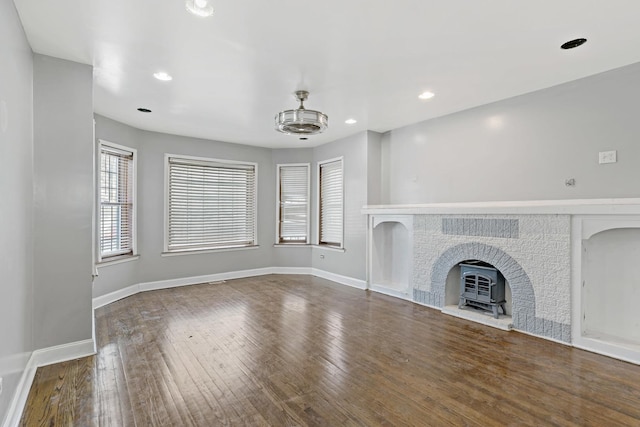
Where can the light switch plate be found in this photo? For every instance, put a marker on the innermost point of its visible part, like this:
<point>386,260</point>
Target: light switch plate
<point>607,157</point>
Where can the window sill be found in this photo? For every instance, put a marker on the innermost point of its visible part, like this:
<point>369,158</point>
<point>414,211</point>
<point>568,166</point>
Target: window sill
<point>329,248</point>
<point>291,245</point>
<point>117,260</point>
<point>208,251</point>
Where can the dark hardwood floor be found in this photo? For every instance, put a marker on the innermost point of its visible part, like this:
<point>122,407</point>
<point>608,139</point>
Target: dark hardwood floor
<point>299,350</point>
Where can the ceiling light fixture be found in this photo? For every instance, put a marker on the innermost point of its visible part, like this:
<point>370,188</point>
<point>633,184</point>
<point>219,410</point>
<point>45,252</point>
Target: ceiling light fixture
<point>426,95</point>
<point>161,75</point>
<point>301,121</point>
<point>200,8</point>
<point>573,43</point>
<point>351,121</point>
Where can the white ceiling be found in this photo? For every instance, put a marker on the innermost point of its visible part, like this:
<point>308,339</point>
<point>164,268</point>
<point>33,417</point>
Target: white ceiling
<point>362,59</point>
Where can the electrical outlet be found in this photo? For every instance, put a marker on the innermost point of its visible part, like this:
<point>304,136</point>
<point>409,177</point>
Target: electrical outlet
<point>607,157</point>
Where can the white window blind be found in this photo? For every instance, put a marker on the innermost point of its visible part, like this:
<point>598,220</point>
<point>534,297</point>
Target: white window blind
<point>116,202</point>
<point>293,199</point>
<point>331,200</point>
<point>211,204</point>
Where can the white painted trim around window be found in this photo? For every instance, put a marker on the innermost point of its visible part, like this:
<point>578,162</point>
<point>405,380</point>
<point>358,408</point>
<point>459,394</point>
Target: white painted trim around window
<point>134,196</point>
<point>317,237</point>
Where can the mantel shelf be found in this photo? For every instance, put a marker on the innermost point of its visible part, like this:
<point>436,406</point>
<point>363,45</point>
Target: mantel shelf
<point>627,206</point>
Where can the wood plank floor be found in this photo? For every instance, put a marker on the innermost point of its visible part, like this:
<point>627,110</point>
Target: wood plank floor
<point>298,350</point>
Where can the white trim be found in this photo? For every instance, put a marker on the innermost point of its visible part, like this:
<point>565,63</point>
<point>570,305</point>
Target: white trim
<point>43,357</point>
<point>572,206</point>
<point>292,245</point>
<point>64,352</point>
<point>390,292</point>
<point>278,166</point>
<point>19,400</point>
<point>329,248</point>
<point>608,349</point>
<point>343,280</point>
<point>134,194</point>
<point>316,242</point>
<point>292,270</point>
<point>194,280</point>
<point>115,296</point>
<point>120,260</point>
<point>168,156</point>
<point>208,251</point>
<point>583,227</point>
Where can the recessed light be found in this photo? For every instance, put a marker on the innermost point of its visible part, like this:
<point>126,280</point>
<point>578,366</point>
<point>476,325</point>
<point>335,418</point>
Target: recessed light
<point>200,8</point>
<point>426,95</point>
<point>573,43</point>
<point>144,110</point>
<point>304,138</point>
<point>161,75</point>
<point>351,121</point>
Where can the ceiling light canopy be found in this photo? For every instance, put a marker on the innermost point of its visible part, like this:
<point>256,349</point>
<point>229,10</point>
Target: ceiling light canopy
<point>199,7</point>
<point>301,121</point>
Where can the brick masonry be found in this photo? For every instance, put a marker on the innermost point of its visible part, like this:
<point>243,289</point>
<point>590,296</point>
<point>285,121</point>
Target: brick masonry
<point>531,251</point>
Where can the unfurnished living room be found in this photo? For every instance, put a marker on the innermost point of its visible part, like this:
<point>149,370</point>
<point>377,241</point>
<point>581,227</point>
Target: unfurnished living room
<point>294,213</point>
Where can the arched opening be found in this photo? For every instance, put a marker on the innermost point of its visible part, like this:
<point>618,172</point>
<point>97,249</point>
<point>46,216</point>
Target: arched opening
<point>611,286</point>
<point>391,258</point>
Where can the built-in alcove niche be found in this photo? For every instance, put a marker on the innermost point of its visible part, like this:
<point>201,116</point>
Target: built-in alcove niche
<point>611,287</point>
<point>391,255</point>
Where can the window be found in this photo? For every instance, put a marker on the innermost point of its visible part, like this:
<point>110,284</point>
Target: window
<point>293,204</point>
<point>330,203</point>
<point>117,209</point>
<point>211,204</point>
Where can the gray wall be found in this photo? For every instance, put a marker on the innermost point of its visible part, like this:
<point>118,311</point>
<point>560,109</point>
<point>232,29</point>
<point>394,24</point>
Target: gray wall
<point>351,262</point>
<point>16,205</point>
<point>63,197</point>
<point>523,148</point>
<point>152,266</point>
<point>292,256</point>
<point>117,276</point>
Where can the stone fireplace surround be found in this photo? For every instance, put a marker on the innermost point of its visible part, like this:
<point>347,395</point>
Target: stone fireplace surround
<point>536,245</point>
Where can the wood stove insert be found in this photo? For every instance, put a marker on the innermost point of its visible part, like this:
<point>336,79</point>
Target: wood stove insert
<point>482,286</point>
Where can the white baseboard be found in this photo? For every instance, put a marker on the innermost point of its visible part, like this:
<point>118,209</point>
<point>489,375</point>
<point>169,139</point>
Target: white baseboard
<point>292,270</point>
<point>185,281</point>
<point>343,280</point>
<point>619,351</point>
<point>193,280</point>
<point>115,296</point>
<point>43,357</point>
<point>64,352</point>
<point>391,292</point>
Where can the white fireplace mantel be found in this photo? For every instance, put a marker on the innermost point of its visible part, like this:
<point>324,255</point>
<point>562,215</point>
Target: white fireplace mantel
<point>400,261</point>
<point>628,206</point>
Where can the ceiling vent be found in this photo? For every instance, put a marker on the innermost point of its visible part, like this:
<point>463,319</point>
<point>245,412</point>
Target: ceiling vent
<point>301,121</point>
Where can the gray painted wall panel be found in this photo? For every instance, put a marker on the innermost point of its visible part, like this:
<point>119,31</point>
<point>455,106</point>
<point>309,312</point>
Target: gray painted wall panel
<point>523,148</point>
<point>63,185</point>
<point>118,276</point>
<point>351,262</point>
<point>16,206</point>
<point>151,190</point>
<point>291,256</point>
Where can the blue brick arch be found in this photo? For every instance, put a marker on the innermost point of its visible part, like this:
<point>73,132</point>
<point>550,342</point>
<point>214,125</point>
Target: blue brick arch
<point>523,299</point>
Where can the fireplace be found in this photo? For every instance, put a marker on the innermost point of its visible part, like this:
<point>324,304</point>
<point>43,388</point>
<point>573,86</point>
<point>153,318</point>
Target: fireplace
<point>482,286</point>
